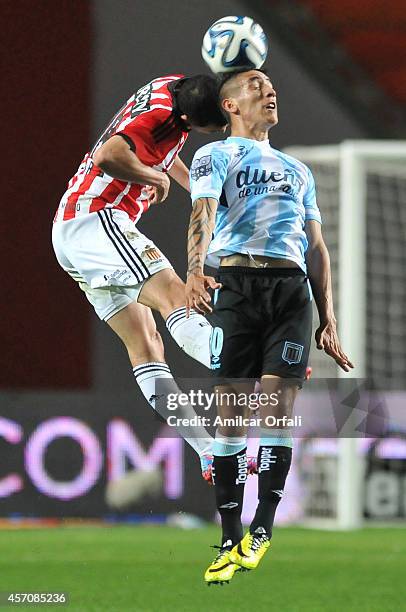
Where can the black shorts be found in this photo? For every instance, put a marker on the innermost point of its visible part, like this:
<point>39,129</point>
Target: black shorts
<point>266,318</point>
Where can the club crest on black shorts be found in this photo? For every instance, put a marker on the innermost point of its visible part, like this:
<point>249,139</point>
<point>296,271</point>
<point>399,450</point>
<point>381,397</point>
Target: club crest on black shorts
<point>292,352</point>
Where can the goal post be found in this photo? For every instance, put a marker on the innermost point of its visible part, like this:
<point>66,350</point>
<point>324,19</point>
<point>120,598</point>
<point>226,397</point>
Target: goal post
<point>361,191</point>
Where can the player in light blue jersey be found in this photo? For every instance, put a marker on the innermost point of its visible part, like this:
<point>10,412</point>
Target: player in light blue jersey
<point>256,218</point>
<point>264,195</point>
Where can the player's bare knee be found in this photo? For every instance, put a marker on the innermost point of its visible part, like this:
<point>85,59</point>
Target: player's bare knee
<point>164,292</point>
<point>231,431</point>
<point>175,295</point>
<point>283,393</point>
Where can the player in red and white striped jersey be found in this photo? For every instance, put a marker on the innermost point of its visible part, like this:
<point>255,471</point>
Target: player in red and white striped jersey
<point>97,242</point>
<point>153,129</point>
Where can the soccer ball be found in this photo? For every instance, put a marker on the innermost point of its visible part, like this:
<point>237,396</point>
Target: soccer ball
<point>234,42</point>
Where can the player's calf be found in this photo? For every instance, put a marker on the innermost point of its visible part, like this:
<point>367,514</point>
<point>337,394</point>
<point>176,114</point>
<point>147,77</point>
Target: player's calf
<point>206,462</point>
<point>274,460</point>
<point>230,475</point>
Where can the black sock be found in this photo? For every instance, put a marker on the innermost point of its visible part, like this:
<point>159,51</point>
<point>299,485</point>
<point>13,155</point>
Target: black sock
<point>230,474</point>
<point>273,467</point>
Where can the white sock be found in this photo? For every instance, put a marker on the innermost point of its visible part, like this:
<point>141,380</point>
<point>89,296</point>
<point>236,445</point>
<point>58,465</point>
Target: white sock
<point>147,376</point>
<point>224,446</point>
<point>194,335</point>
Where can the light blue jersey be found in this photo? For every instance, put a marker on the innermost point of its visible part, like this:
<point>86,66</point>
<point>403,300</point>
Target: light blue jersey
<point>264,196</point>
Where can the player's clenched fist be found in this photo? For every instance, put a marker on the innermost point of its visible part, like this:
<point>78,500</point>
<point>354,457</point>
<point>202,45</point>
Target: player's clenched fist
<point>158,193</point>
<point>196,291</point>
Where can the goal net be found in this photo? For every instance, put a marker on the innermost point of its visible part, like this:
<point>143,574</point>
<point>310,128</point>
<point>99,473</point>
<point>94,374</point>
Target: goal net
<point>361,191</point>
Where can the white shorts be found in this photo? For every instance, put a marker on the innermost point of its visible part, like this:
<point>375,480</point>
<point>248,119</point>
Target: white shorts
<point>109,258</point>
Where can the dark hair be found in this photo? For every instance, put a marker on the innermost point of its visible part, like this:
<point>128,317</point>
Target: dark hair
<point>197,97</point>
<point>224,77</point>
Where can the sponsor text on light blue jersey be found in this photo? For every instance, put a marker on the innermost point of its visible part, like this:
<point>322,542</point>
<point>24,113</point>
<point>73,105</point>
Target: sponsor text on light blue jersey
<point>264,195</point>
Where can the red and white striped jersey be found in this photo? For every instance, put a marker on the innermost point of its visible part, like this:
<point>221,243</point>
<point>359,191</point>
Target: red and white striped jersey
<point>149,124</point>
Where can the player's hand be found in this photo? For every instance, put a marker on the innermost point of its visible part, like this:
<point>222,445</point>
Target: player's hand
<point>197,295</point>
<point>327,339</point>
<point>149,192</point>
<point>159,192</point>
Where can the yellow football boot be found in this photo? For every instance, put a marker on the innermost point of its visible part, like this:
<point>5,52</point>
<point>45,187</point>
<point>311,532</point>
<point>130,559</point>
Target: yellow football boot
<point>249,552</point>
<point>221,570</point>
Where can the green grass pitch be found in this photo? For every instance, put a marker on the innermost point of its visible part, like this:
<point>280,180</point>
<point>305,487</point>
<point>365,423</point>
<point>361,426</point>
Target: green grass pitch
<point>160,569</point>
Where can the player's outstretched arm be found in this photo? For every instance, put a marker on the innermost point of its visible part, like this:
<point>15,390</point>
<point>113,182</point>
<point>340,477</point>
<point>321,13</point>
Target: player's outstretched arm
<point>319,273</point>
<point>180,173</point>
<point>201,227</point>
<point>117,159</point>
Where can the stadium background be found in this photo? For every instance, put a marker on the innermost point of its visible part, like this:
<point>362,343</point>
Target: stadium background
<point>67,66</point>
<point>67,70</point>
<point>66,73</point>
